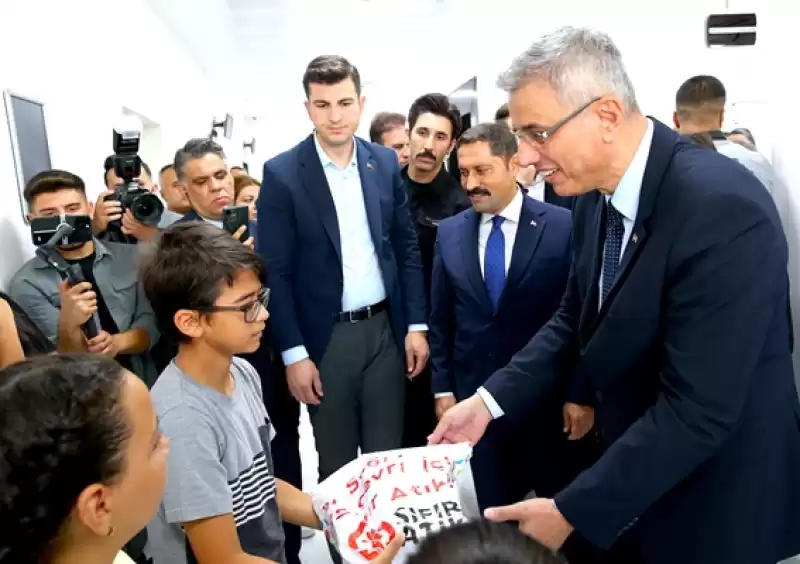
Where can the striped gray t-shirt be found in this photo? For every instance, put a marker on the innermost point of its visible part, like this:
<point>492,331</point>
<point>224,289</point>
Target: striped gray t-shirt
<point>219,463</point>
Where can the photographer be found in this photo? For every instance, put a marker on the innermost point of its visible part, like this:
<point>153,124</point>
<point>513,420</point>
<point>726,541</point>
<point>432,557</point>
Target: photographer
<point>108,210</point>
<point>110,294</point>
<point>129,210</point>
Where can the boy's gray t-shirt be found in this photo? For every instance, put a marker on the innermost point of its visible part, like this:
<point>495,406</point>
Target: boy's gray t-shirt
<point>219,462</point>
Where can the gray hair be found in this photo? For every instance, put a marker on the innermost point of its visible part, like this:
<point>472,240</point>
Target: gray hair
<point>195,149</point>
<point>578,63</point>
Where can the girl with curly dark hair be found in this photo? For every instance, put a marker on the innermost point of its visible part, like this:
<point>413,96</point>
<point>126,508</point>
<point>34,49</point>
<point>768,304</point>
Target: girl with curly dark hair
<point>82,463</point>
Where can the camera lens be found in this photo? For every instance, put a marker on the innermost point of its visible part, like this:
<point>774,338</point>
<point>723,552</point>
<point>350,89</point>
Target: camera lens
<point>147,209</point>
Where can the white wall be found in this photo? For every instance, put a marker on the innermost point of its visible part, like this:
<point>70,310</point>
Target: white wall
<point>402,50</point>
<point>663,43</point>
<point>85,68</point>
<point>786,148</point>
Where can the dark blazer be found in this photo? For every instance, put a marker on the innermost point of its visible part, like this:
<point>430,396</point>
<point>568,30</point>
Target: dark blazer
<point>550,196</point>
<point>298,236</point>
<point>190,216</point>
<point>468,340</point>
<point>688,362</point>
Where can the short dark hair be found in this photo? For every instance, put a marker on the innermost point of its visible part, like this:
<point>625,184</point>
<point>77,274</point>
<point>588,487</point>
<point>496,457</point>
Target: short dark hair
<point>502,113</point>
<point>703,138</point>
<point>77,438</point>
<point>384,122</point>
<point>702,93</point>
<point>437,104</point>
<point>165,168</point>
<point>195,149</point>
<point>482,542</point>
<point>108,165</point>
<point>502,143</point>
<point>186,268</point>
<point>50,181</point>
<point>330,69</point>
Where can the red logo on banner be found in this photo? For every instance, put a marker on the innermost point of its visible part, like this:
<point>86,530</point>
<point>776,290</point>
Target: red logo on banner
<point>369,543</point>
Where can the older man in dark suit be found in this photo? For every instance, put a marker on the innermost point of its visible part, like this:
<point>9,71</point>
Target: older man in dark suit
<point>674,323</point>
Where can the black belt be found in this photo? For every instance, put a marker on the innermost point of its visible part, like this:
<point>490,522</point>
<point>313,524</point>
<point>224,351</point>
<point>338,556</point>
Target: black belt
<point>362,313</point>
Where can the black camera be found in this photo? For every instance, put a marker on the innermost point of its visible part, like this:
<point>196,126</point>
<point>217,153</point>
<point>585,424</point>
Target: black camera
<point>44,228</point>
<point>69,229</point>
<point>145,206</point>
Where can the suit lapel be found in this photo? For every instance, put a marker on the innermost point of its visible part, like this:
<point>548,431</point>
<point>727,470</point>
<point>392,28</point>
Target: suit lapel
<point>597,227</point>
<point>529,232</point>
<point>470,225</point>
<point>661,152</point>
<point>368,171</point>
<point>316,186</point>
<point>191,216</point>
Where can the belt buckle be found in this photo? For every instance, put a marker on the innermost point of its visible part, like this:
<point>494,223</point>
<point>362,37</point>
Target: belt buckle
<point>368,309</point>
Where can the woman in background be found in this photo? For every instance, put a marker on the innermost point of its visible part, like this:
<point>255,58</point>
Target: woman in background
<point>82,464</point>
<point>245,190</point>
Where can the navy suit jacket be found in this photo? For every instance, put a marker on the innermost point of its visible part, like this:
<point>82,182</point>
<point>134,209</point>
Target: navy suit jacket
<point>688,362</point>
<point>468,340</point>
<point>192,215</point>
<point>298,236</point>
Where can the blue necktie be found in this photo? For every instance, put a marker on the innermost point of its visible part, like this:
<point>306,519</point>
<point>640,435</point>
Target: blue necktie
<point>494,263</point>
<point>612,249</point>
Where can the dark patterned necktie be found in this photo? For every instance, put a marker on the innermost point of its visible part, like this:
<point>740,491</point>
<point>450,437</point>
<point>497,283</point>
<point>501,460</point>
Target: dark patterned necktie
<point>612,249</point>
<point>494,262</point>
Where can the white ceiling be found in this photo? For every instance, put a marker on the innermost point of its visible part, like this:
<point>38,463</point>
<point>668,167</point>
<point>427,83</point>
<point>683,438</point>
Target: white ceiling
<point>277,38</point>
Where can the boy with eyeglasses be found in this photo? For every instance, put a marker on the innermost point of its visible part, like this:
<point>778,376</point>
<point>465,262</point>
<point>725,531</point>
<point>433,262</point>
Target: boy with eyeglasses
<point>222,502</point>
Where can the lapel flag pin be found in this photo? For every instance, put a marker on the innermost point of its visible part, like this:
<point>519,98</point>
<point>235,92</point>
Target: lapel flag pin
<point>533,223</point>
<point>635,238</point>
<point>369,165</point>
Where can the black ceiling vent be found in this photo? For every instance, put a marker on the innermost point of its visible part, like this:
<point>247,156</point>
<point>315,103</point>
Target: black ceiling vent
<point>731,30</point>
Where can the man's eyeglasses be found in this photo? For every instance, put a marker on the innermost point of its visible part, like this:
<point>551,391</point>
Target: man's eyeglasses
<point>526,135</point>
<point>251,310</point>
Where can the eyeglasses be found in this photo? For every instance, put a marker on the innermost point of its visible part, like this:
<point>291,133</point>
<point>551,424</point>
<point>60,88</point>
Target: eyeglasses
<point>525,135</point>
<point>251,310</point>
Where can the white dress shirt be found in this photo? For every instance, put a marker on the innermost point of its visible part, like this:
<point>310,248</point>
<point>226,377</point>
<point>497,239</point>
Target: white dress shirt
<point>754,161</point>
<point>626,200</point>
<point>361,271</point>
<point>509,227</point>
<point>626,197</point>
<point>511,213</point>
